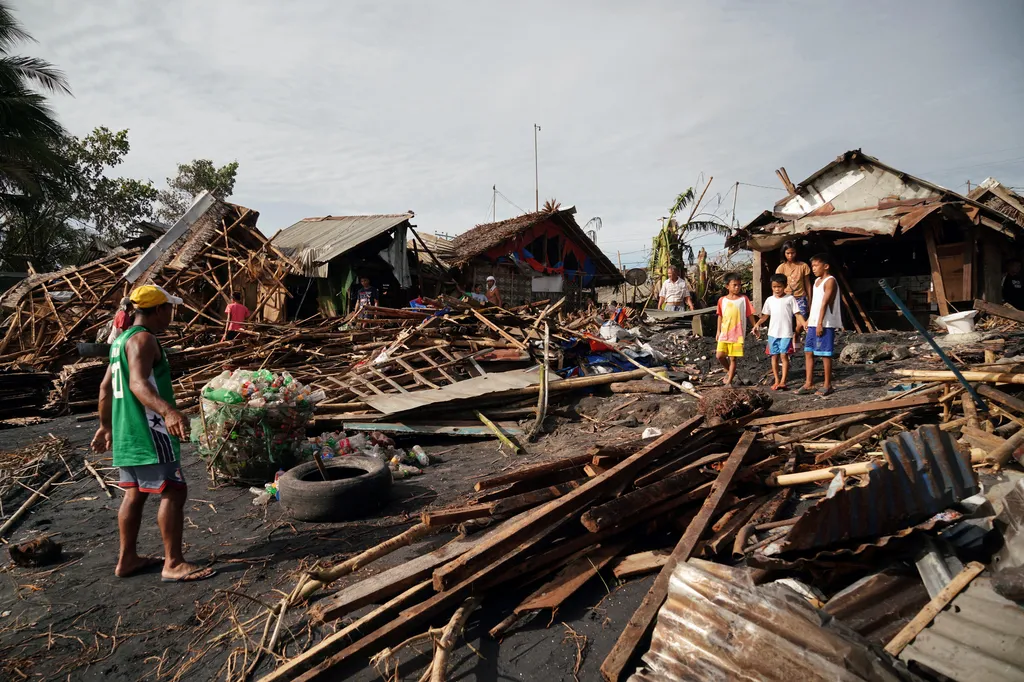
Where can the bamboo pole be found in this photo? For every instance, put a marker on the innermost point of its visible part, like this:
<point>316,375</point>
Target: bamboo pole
<point>497,432</point>
<point>943,375</point>
<point>29,502</point>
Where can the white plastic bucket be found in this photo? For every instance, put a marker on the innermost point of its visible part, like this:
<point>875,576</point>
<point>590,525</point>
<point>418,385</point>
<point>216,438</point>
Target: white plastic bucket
<point>959,323</point>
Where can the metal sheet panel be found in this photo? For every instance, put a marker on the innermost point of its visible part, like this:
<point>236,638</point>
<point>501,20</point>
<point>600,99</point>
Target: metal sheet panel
<point>318,240</point>
<point>925,473</point>
<point>979,637</point>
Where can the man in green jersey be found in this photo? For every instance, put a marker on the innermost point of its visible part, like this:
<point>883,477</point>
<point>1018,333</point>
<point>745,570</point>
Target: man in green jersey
<point>139,421</point>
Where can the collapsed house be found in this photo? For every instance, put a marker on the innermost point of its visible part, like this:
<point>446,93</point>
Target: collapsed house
<point>938,249</point>
<point>213,250</point>
<point>333,252</point>
<point>536,256</point>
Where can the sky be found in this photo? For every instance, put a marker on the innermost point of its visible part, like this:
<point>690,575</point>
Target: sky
<point>354,107</point>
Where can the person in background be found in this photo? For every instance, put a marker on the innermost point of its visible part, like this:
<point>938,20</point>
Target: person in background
<point>122,319</point>
<point>141,424</point>
<point>780,310</point>
<point>478,294</point>
<point>492,293</point>
<point>821,335</point>
<point>798,276</point>
<point>674,292</point>
<point>367,294</point>
<point>236,314</point>
<point>734,311</point>
<point>1013,285</point>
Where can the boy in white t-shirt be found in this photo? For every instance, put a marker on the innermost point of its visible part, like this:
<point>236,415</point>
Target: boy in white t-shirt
<point>780,309</point>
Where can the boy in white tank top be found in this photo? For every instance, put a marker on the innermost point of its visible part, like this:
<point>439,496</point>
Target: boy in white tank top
<point>823,320</point>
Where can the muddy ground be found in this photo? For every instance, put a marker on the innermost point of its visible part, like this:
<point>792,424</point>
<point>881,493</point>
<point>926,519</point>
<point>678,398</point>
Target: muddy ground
<point>78,621</point>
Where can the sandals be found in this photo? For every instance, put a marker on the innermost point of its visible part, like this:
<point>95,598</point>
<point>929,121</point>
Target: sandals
<point>825,392</point>
<point>193,576</point>
<point>803,390</point>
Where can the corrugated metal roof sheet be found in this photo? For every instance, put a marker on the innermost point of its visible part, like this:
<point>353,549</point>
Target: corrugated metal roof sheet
<point>979,637</point>
<point>322,239</point>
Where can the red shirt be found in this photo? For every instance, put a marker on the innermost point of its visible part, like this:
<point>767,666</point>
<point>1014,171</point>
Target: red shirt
<point>236,313</point>
<point>121,320</point>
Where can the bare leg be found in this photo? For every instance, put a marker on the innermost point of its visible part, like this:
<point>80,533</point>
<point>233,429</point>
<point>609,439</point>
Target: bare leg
<point>785,369</point>
<point>171,518</point>
<point>732,372</point>
<point>723,360</point>
<point>826,364</point>
<point>809,370</point>
<point>775,372</point>
<point>129,519</point>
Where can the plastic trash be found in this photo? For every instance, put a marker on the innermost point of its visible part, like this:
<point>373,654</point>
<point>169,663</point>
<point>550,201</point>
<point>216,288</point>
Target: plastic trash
<point>421,456</point>
<point>651,432</point>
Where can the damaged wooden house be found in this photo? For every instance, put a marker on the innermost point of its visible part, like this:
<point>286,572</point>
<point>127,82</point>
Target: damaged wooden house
<point>211,251</point>
<point>333,252</point>
<point>938,249</point>
<point>537,256</point>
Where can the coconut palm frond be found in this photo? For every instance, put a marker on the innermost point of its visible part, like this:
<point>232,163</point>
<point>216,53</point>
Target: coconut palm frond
<point>551,206</point>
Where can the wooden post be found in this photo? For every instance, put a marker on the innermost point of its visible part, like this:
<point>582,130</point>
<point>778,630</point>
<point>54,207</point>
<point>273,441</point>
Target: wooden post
<point>926,615</point>
<point>991,267</point>
<point>969,258</point>
<point>933,261</point>
<point>757,280</point>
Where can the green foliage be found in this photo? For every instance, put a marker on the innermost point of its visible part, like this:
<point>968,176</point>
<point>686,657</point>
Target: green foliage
<point>29,130</point>
<point>51,228</point>
<point>673,243</point>
<point>192,179</point>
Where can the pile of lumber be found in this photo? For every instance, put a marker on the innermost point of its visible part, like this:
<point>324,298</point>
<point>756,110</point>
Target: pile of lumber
<point>23,392</point>
<point>553,527</point>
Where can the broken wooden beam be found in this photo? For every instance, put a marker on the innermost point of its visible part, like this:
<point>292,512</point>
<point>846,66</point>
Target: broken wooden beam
<point>639,624</point>
<point>839,449</point>
<point>453,515</point>
<point>606,515</point>
<point>1004,399</point>
<point>540,519</point>
<point>878,406</point>
<point>1002,311</point>
<point>972,376</point>
<point>571,578</point>
<point>640,563</point>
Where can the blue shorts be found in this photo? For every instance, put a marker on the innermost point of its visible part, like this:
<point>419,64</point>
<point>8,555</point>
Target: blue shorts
<point>779,346</point>
<point>821,345</point>
<point>801,303</point>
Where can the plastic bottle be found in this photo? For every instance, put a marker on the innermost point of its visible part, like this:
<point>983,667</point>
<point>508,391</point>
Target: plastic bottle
<point>421,456</point>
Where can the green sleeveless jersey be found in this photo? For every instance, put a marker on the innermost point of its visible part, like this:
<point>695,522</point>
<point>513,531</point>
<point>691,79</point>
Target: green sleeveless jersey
<point>139,434</point>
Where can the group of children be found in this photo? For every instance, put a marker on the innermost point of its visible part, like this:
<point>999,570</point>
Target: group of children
<point>788,312</point>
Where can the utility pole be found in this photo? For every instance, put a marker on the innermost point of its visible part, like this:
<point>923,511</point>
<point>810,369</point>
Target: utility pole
<point>968,186</point>
<point>735,192</point>
<point>536,171</point>
<point>494,203</point>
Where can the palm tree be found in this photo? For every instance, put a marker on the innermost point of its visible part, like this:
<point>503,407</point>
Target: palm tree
<point>30,134</point>
<point>672,245</point>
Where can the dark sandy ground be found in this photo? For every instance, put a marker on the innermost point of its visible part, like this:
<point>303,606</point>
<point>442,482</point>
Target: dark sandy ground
<point>77,621</point>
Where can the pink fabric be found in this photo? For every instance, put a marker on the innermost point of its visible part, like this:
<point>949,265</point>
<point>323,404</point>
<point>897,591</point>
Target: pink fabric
<point>734,313</point>
<point>236,313</point>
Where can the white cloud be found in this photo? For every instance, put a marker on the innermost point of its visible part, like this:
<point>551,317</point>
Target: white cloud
<point>382,107</point>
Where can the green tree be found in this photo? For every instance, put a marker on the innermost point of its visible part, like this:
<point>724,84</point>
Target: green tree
<point>192,179</point>
<point>50,229</point>
<point>29,131</point>
<point>673,243</point>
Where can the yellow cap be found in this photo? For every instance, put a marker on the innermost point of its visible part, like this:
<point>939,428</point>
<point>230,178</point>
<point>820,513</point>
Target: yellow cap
<point>151,296</point>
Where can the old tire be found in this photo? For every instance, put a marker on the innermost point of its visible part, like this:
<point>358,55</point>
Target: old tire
<point>358,486</point>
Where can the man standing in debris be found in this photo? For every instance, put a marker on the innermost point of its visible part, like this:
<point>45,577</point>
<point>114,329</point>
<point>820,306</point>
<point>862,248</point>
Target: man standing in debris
<point>367,294</point>
<point>1013,285</point>
<point>492,293</point>
<point>674,291</point>
<point>140,423</point>
<point>236,314</point>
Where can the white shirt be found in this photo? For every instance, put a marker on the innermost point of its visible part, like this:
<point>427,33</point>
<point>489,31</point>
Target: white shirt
<point>674,292</point>
<point>832,318</point>
<point>781,312</point>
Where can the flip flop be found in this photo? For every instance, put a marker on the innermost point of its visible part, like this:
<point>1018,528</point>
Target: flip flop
<point>192,576</point>
<point>148,564</point>
<point>783,387</point>
<point>824,393</point>
<point>804,391</point>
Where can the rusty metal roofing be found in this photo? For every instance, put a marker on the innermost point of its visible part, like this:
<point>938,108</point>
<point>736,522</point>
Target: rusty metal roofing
<point>925,473</point>
<point>879,605</point>
<point>979,637</point>
<point>717,625</point>
<point>319,240</point>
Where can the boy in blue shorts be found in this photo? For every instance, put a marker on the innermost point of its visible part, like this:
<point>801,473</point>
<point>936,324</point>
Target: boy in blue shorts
<point>827,319</point>
<point>781,310</point>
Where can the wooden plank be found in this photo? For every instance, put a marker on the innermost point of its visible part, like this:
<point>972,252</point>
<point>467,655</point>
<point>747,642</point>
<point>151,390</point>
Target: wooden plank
<point>569,579</point>
<point>641,563</point>
<point>389,380</point>
<point>639,624</point>
<point>1003,311</point>
<point>970,249</point>
<point>536,471</point>
<point>856,301</point>
<point>388,583</point>
<point>926,615</point>
<point>993,393</point>
<point>878,406</point>
<point>517,503</point>
<point>933,262</point>
<point>593,470</point>
<point>840,448</point>
<point>447,517</point>
<point>336,641</point>
<point>607,515</point>
<point>980,438</point>
<point>971,376</point>
<point>539,519</point>
<point>501,332</point>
